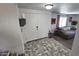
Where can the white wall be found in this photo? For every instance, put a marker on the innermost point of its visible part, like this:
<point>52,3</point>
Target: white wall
<point>53,26</point>
<point>10,33</point>
<point>43,20</point>
<point>75,47</point>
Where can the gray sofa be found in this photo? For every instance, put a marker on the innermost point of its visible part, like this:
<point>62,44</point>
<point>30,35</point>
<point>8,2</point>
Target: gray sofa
<point>68,34</point>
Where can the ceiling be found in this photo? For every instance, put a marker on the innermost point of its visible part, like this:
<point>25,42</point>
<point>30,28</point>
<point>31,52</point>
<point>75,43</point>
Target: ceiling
<point>64,8</point>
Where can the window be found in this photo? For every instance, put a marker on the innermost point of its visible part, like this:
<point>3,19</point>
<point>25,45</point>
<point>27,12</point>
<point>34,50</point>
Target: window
<point>62,21</point>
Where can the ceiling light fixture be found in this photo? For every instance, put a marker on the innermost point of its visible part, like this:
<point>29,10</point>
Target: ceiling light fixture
<point>48,6</point>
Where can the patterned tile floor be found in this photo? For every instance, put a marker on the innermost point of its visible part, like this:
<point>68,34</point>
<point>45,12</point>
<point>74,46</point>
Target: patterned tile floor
<point>46,47</point>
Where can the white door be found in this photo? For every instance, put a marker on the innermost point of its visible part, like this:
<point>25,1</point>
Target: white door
<point>43,24</point>
<point>29,30</point>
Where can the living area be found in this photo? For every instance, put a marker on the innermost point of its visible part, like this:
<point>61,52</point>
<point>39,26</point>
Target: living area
<point>64,29</point>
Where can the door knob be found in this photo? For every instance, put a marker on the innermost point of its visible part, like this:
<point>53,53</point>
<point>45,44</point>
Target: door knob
<point>37,27</point>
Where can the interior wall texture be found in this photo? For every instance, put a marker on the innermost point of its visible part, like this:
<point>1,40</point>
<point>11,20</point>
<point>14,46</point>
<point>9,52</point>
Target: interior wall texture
<point>75,47</point>
<point>10,33</point>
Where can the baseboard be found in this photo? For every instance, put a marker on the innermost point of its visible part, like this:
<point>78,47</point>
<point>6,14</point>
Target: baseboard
<point>36,39</point>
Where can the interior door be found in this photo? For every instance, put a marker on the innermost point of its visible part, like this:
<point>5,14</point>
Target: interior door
<point>30,30</point>
<point>36,26</point>
<point>43,25</point>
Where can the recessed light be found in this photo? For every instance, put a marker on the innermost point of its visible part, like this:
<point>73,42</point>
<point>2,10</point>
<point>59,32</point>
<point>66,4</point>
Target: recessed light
<point>48,6</point>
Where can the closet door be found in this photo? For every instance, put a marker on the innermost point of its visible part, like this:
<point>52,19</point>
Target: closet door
<point>43,25</point>
<point>36,26</point>
<point>30,30</point>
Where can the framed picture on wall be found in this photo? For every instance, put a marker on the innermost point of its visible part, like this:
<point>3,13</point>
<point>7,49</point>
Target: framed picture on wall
<point>53,20</point>
<point>22,22</point>
<point>70,19</point>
